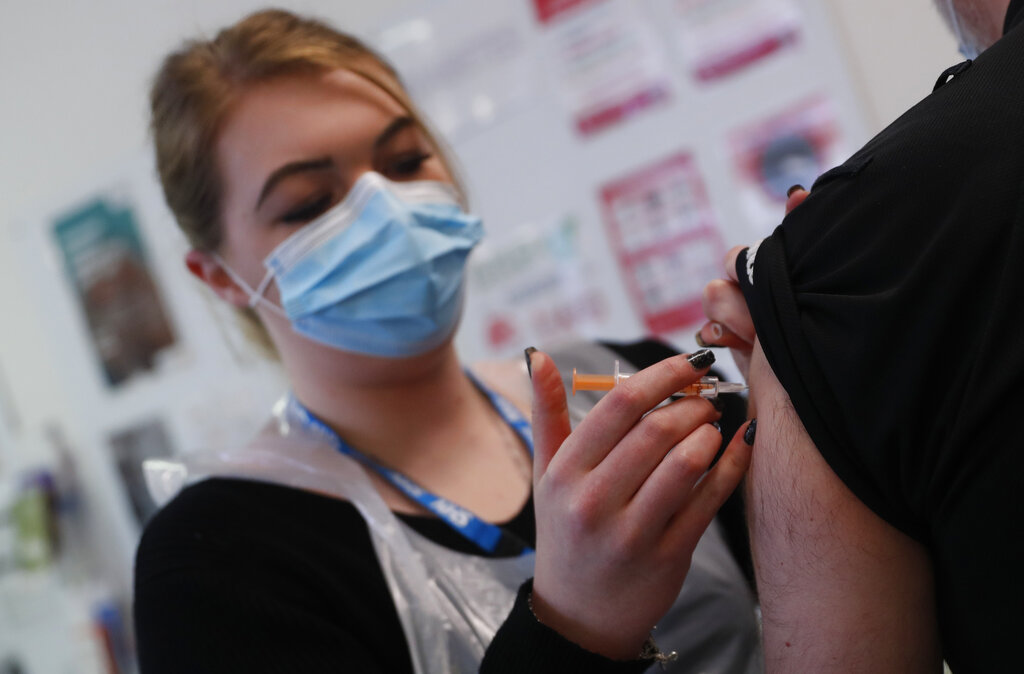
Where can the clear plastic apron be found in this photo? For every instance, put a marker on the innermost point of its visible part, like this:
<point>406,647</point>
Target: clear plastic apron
<point>451,604</point>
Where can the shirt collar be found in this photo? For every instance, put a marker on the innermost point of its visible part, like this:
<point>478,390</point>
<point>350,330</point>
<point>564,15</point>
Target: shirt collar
<point>1014,15</point>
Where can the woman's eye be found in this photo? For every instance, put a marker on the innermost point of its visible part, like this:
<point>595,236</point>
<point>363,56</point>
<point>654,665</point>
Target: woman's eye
<point>407,165</point>
<point>308,210</point>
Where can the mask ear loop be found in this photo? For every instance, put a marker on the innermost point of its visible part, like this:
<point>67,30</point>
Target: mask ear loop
<point>255,296</point>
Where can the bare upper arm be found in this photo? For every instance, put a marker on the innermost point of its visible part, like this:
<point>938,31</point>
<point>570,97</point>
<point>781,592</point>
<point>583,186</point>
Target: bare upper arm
<point>841,590</point>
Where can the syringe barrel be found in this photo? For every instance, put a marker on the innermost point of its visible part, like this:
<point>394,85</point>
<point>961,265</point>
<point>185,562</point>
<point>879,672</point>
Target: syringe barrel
<point>594,382</point>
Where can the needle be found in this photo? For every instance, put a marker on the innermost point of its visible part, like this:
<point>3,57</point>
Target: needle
<point>706,387</point>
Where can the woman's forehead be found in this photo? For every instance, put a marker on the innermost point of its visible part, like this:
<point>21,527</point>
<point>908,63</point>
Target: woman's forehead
<point>303,97</point>
<point>293,117</point>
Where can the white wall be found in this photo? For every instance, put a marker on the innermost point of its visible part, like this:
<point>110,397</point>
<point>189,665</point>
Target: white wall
<point>897,48</point>
<point>73,106</point>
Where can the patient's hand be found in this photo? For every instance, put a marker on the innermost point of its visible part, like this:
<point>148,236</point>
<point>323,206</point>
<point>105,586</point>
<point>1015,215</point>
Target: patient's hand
<point>729,322</point>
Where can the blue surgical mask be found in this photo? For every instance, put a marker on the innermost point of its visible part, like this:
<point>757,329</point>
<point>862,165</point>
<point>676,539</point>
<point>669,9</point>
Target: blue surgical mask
<point>381,273</point>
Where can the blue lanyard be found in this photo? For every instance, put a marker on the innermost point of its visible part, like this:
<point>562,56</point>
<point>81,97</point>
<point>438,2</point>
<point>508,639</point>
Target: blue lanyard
<point>487,536</point>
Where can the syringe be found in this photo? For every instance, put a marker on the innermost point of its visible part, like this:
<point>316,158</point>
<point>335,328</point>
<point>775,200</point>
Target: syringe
<point>707,387</point>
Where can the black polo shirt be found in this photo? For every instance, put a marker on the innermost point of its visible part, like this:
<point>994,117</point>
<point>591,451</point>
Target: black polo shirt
<point>889,307</point>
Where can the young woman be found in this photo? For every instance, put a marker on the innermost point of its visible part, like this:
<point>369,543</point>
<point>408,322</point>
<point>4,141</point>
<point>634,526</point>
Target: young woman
<point>384,519</point>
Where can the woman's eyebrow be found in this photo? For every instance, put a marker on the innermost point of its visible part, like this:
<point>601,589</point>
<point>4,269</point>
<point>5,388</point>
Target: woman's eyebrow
<point>291,169</point>
<point>397,125</point>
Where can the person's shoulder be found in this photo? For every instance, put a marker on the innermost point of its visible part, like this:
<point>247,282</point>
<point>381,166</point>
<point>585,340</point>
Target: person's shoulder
<point>246,561</point>
<point>216,501</point>
<point>222,514</point>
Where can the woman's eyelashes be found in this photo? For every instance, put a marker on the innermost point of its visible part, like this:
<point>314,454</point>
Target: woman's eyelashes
<point>401,167</point>
<point>308,209</point>
<point>406,165</point>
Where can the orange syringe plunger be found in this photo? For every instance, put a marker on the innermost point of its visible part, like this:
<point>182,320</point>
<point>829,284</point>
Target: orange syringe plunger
<point>591,382</point>
<point>596,382</point>
<point>707,387</point>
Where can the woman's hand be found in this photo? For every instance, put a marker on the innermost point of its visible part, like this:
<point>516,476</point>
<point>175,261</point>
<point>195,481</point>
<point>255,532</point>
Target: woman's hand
<point>622,501</point>
<point>729,323</point>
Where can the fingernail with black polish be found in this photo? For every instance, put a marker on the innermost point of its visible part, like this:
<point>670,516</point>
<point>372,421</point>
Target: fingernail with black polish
<point>529,351</point>
<point>748,436</point>
<point>701,359</point>
<point>700,341</point>
<point>718,403</point>
<point>794,188</point>
<point>718,426</point>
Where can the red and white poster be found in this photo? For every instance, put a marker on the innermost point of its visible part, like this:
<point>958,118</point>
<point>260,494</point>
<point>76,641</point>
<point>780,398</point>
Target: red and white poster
<point>605,58</point>
<point>663,232</point>
<point>789,148</point>
<point>720,37</point>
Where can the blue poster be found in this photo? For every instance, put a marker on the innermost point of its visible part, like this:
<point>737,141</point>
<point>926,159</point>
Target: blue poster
<point>105,261</point>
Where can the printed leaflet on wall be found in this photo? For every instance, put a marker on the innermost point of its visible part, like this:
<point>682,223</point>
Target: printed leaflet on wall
<point>605,59</point>
<point>662,230</point>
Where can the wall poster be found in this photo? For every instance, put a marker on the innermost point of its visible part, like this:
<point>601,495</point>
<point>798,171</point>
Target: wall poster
<point>536,288</point>
<point>789,148</point>
<point>105,262</point>
<point>604,56</point>
<point>663,231</point>
<point>131,446</point>
<point>464,76</point>
<point>720,37</point>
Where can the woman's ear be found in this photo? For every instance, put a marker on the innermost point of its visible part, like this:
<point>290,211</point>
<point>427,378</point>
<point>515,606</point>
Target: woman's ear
<point>209,269</point>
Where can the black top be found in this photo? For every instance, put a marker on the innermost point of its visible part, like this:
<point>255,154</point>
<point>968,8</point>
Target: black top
<point>888,306</point>
<point>241,576</point>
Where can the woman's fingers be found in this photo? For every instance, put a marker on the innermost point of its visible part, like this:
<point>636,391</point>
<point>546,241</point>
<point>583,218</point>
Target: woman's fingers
<point>730,262</point>
<point>725,306</point>
<point>550,420</point>
<point>620,410</point>
<point>729,316</point>
<point>627,468</point>
<point>690,521</point>
<point>796,196</point>
<point>715,335</point>
<point>607,566</point>
<point>671,485</point>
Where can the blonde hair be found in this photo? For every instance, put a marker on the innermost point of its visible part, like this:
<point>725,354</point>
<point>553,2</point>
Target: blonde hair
<point>196,87</point>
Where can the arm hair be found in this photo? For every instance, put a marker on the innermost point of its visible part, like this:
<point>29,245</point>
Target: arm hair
<point>841,590</point>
